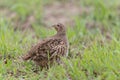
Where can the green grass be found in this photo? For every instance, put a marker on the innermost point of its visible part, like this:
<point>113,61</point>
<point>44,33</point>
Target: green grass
<point>94,53</point>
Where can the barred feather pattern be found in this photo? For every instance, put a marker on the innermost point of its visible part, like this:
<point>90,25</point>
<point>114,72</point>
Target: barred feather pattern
<point>47,51</point>
<point>50,49</point>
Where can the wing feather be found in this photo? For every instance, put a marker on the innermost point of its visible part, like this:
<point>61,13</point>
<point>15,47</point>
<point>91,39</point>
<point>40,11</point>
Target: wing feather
<point>53,47</point>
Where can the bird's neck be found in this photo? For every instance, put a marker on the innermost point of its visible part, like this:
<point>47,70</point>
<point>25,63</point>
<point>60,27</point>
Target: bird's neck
<point>61,34</point>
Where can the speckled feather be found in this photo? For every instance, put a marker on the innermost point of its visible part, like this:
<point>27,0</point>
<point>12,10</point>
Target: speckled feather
<point>49,49</point>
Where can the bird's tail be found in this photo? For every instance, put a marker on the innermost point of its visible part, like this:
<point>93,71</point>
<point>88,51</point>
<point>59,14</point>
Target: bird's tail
<point>26,57</point>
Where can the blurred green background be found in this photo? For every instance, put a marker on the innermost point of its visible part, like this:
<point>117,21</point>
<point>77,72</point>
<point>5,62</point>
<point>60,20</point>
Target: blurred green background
<point>92,29</point>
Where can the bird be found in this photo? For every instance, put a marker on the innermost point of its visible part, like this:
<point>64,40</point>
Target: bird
<point>49,50</point>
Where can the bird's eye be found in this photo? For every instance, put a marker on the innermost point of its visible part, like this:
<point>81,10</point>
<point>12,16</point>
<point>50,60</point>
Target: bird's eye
<point>58,25</point>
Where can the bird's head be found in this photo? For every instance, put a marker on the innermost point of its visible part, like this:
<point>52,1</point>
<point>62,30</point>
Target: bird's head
<point>60,28</point>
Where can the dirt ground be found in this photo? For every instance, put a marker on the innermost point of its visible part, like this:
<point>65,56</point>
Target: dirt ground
<point>63,13</point>
<point>57,12</point>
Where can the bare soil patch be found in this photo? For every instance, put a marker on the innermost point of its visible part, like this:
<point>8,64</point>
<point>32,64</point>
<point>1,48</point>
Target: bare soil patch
<point>58,12</point>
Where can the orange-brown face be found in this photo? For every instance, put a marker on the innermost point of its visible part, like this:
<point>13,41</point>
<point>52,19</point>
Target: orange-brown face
<point>59,27</point>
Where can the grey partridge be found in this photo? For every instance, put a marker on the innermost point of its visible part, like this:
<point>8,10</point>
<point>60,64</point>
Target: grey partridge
<point>51,49</point>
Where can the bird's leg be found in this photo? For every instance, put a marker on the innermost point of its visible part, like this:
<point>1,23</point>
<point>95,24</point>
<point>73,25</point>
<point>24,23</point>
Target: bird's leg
<point>47,66</point>
<point>35,69</point>
<point>58,60</point>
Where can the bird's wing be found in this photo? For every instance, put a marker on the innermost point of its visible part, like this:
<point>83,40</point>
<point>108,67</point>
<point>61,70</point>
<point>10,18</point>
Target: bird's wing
<point>59,49</point>
<point>54,47</point>
<point>47,48</point>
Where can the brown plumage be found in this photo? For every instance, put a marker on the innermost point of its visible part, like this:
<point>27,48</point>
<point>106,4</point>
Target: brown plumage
<point>49,50</point>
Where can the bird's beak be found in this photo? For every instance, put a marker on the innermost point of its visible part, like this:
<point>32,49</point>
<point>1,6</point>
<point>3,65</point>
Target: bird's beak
<point>54,26</point>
